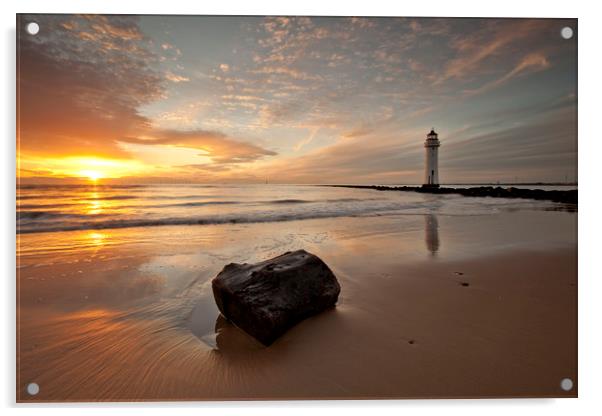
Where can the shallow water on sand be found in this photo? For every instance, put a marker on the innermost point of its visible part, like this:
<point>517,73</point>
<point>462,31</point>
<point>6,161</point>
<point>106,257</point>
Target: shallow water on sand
<point>128,313</point>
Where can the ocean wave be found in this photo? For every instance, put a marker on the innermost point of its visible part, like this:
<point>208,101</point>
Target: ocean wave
<point>42,206</point>
<point>289,201</point>
<point>234,218</point>
<point>110,197</point>
<point>49,215</point>
<point>78,201</point>
<point>309,201</point>
<point>193,196</point>
<point>78,186</point>
<point>200,204</point>
<point>76,196</point>
<point>41,196</point>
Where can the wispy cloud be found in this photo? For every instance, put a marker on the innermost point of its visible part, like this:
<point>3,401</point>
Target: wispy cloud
<point>475,49</point>
<point>215,145</point>
<point>532,62</point>
<point>176,78</point>
<point>307,140</point>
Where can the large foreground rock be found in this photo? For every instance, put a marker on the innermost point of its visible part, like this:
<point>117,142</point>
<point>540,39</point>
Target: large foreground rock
<point>266,299</point>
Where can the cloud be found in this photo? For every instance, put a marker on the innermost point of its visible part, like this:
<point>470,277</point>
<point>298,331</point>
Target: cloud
<point>176,78</point>
<point>169,51</point>
<point>358,131</point>
<point>208,168</point>
<point>215,145</point>
<point>362,22</point>
<point>495,39</point>
<point>287,71</point>
<point>530,63</point>
<point>352,160</point>
<point>81,81</point>
<point>185,114</point>
<point>307,140</point>
<point>545,148</point>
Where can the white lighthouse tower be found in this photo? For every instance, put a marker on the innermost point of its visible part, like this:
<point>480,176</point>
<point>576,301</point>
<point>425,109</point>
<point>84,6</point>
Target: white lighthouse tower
<point>431,172</point>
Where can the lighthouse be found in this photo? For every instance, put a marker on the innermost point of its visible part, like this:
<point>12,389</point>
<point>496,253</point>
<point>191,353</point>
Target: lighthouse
<point>431,171</point>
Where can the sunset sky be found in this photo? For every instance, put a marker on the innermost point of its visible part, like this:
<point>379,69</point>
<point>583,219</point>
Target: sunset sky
<point>294,99</point>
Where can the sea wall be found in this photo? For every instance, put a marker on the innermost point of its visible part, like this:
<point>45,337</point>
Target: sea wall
<point>567,197</point>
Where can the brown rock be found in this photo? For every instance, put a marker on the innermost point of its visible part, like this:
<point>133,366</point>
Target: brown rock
<point>267,298</point>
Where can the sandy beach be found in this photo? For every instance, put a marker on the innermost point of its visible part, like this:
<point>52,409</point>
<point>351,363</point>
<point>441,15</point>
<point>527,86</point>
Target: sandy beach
<point>431,306</point>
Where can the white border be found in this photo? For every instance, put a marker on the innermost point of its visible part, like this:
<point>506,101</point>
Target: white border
<point>590,276</point>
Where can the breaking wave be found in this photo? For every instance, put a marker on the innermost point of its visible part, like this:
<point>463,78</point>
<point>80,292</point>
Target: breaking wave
<point>240,218</point>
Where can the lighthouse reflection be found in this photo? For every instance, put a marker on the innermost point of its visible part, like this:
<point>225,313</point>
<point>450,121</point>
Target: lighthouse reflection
<point>431,233</point>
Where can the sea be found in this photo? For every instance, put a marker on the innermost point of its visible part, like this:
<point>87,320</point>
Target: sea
<point>56,208</point>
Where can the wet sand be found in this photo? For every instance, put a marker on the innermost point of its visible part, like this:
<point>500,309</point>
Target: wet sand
<point>430,307</point>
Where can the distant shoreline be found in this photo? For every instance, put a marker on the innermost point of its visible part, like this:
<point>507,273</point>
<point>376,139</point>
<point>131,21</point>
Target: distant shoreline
<point>566,196</point>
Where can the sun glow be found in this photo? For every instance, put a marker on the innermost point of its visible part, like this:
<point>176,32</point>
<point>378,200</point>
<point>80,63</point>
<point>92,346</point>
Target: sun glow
<point>93,175</point>
<point>90,168</point>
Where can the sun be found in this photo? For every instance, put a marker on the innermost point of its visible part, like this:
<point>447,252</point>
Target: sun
<point>93,175</point>
<point>92,169</point>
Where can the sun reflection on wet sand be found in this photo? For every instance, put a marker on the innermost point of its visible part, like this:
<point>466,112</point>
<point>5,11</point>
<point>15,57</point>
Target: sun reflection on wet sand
<point>97,239</point>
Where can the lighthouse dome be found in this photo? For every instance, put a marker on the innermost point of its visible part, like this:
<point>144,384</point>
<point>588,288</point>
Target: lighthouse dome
<point>432,134</point>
